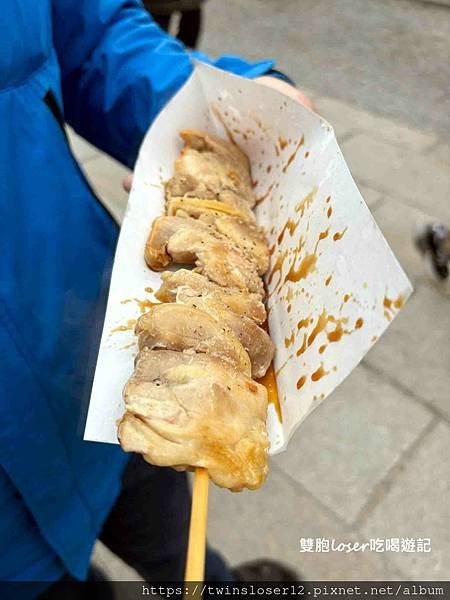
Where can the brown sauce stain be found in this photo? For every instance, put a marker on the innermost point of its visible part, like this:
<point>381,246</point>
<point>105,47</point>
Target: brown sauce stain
<point>148,290</point>
<point>277,267</point>
<point>301,382</point>
<point>391,305</point>
<point>270,384</point>
<point>269,168</point>
<point>339,235</point>
<point>129,326</point>
<point>322,236</point>
<point>272,249</point>
<point>319,373</point>
<point>328,279</point>
<point>374,339</point>
<point>303,323</point>
<point>144,304</point>
<point>397,303</point>
<point>306,266</point>
<point>346,297</point>
<point>328,199</point>
<point>289,308</point>
<point>304,345</point>
<point>305,203</point>
<point>306,154</point>
<point>320,326</point>
<point>322,349</point>
<point>329,212</point>
<point>337,333</point>
<point>359,323</point>
<point>294,154</point>
<point>283,142</point>
<point>289,341</point>
<point>290,226</point>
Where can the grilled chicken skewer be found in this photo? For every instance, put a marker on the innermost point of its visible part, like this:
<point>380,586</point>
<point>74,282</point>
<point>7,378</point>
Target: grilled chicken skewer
<point>191,401</point>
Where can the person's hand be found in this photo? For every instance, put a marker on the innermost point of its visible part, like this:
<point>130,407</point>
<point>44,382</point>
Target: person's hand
<point>127,182</point>
<point>277,84</point>
<point>285,88</point>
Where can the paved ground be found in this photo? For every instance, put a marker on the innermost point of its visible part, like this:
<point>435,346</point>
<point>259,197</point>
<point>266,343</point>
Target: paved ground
<point>386,56</point>
<point>372,461</point>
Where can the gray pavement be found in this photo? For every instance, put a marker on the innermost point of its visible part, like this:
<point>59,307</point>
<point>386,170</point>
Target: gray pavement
<point>389,57</point>
<point>372,461</point>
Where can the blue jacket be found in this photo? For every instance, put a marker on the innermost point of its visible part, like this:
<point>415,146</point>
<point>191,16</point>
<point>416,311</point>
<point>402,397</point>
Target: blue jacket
<point>104,67</point>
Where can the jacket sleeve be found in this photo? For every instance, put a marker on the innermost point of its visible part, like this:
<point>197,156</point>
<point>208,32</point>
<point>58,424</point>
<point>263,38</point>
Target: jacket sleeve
<point>118,70</point>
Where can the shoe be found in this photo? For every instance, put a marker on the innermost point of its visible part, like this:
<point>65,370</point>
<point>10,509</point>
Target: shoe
<point>433,242</point>
<point>265,570</point>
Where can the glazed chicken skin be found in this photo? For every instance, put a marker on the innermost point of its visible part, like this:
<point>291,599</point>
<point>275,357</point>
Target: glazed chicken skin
<point>246,237</point>
<point>208,167</point>
<point>194,410</point>
<point>191,401</point>
<point>183,284</point>
<point>254,339</point>
<point>192,241</point>
<point>182,327</point>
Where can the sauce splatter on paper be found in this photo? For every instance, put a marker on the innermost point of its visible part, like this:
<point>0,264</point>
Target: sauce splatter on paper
<point>130,325</point>
<point>294,154</point>
<point>270,383</point>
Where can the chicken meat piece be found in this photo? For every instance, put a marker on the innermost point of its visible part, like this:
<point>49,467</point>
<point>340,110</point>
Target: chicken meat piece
<point>208,166</point>
<point>254,339</point>
<point>182,327</point>
<point>184,284</point>
<point>247,237</point>
<point>168,231</point>
<point>192,410</point>
<point>225,265</point>
<point>191,241</point>
<point>227,151</point>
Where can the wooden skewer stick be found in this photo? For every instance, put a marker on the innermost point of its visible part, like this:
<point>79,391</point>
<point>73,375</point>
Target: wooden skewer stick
<point>195,563</point>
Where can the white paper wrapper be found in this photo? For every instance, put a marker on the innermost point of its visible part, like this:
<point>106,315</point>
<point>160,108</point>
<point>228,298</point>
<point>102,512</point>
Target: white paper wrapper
<point>334,284</point>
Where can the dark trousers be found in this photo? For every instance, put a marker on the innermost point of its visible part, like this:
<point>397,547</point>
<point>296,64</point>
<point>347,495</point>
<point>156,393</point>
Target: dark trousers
<point>149,524</point>
<point>148,528</point>
<point>189,27</point>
